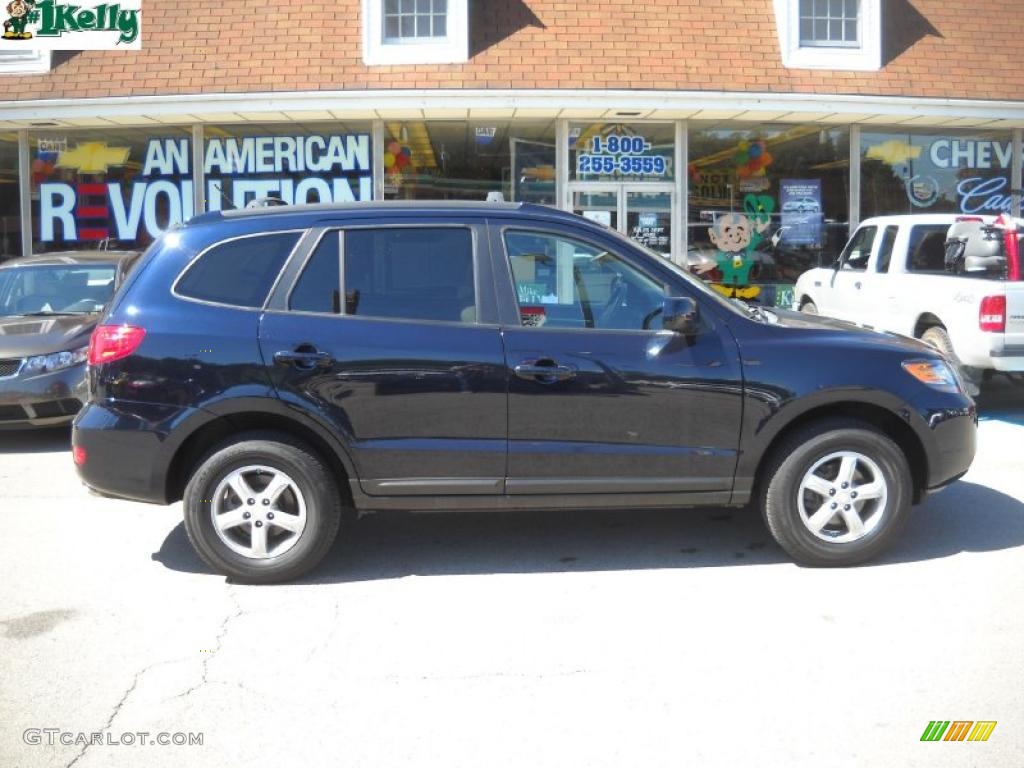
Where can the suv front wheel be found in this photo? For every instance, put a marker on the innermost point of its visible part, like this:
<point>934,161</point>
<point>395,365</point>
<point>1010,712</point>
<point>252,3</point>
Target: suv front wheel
<point>262,508</point>
<point>838,492</point>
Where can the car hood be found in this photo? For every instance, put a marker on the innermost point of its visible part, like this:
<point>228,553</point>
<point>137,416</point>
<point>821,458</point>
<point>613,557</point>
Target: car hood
<point>849,332</point>
<point>23,336</point>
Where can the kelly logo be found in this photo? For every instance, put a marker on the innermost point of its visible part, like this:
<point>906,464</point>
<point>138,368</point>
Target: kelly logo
<point>87,25</point>
<point>958,730</point>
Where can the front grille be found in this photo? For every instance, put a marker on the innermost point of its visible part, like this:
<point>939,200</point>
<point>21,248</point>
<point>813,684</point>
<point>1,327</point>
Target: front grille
<point>8,368</point>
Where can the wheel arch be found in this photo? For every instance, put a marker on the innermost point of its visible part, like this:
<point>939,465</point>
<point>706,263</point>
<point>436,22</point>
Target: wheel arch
<point>876,416</point>
<point>925,321</point>
<point>194,447</point>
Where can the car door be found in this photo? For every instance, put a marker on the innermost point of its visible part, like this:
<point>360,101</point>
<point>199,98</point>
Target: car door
<point>382,334</point>
<point>844,291</point>
<point>601,400</point>
<point>877,300</point>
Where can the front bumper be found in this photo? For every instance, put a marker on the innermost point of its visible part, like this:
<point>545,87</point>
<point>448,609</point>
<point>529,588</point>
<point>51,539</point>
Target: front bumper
<point>42,400</point>
<point>950,441</point>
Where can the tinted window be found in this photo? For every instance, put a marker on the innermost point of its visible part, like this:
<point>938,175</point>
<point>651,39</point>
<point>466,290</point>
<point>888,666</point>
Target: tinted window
<point>319,287</point>
<point>565,283</point>
<point>926,251</point>
<point>238,272</point>
<point>858,250</point>
<point>885,248</point>
<point>414,273</point>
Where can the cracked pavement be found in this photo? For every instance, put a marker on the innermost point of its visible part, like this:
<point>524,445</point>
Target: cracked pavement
<point>597,639</point>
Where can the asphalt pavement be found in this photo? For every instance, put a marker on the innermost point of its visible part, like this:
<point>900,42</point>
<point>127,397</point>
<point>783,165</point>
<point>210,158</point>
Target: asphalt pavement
<point>521,639</point>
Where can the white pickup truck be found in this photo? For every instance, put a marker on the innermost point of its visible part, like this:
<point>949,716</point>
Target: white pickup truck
<point>897,274</point>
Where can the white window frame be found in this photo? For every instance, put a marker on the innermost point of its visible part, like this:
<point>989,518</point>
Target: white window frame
<point>866,56</point>
<point>24,62</point>
<point>453,49</point>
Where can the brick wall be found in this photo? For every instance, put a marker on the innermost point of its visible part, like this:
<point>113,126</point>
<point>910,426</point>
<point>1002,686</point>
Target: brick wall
<point>935,48</point>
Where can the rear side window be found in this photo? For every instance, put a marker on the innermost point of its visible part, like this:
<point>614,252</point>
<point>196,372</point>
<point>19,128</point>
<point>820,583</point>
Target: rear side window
<point>927,249</point>
<point>410,273</point>
<point>318,288</point>
<point>238,272</point>
<point>885,248</point>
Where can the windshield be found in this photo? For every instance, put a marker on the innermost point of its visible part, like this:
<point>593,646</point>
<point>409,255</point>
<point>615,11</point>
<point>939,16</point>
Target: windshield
<point>691,279</point>
<point>58,289</point>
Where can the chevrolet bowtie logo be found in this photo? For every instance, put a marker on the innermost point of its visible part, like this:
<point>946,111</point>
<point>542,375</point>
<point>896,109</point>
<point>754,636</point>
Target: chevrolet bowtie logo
<point>92,157</point>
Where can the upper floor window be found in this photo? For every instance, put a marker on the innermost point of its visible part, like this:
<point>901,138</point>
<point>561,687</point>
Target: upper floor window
<point>830,23</point>
<point>830,34</point>
<point>412,20</point>
<point>24,62</point>
<point>415,31</point>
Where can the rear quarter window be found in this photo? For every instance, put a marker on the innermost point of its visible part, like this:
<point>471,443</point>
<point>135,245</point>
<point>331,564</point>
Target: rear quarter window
<point>238,272</point>
<point>926,251</point>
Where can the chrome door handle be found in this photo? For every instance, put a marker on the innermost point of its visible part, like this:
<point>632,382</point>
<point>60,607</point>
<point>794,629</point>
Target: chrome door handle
<point>304,358</point>
<point>543,371</point>
<point>857,285</point>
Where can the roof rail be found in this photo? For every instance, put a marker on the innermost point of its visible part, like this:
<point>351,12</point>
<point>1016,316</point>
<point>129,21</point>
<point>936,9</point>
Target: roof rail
<point>265,202</point>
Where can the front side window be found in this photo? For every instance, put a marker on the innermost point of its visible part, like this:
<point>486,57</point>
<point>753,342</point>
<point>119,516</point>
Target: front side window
<point>830,23</point>
<point>926,251</point>
<point>238,272</point>
<point>857,253</point>
<point>562,282</point>
<point>410,273</point>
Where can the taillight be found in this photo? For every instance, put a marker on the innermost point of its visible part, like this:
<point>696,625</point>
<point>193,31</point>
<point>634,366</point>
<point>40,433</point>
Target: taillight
<point>113,342</point>
<point>992,315</point>
<point>78,455</point>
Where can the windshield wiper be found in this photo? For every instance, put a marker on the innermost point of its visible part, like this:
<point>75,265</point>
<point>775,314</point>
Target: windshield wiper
<point>50,313</point>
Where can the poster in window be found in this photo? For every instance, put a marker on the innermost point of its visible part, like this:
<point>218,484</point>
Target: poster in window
<point>800,201</point>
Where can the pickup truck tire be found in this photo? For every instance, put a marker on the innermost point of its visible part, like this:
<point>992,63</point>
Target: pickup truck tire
<point>938,338</point>
<point>817,519</point>
<point>269,480</point>
<point>809,307</point>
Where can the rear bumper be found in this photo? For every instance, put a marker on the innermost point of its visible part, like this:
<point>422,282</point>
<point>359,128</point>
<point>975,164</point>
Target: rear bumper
<point>45,400</point>
<point>127,451</point>
<point>1008,358</point>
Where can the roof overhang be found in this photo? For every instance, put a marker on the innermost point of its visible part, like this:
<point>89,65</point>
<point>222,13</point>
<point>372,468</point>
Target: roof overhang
<point>309,106</point>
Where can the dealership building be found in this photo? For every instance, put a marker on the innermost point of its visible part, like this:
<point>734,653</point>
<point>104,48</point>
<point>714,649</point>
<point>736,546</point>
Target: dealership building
<point>655,118</point>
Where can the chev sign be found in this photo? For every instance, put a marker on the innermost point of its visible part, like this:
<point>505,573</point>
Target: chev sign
<point>297,169</point>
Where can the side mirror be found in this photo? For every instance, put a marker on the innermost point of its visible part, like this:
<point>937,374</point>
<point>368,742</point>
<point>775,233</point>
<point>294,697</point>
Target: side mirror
<point>681,314</point>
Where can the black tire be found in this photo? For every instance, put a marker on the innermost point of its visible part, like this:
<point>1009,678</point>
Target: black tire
<point>937,337</point>
<point>323,507</point>
<point>797,454</point>
<point>809,307</point>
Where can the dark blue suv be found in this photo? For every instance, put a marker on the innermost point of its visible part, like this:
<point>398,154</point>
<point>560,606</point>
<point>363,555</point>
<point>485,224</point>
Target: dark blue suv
<point>282,369</point>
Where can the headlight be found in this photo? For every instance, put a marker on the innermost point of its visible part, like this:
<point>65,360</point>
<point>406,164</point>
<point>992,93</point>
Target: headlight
<point>935,373</point>
<point>56,361</point>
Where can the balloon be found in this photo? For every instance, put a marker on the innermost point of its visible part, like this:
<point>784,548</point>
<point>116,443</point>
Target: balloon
<point>740,158</point>
<point>744,145</point>
<point>756,150</point>
<point>401,161</point>
<point>38,166</point>
<point>389,159</point>
<point>743,171</point>
<point>406,151</point>
<point>394,147</point>
<point>767,159</point>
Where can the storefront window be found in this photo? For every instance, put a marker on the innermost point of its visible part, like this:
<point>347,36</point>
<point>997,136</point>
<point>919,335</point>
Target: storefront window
<point>10,205</point>
<point>766,203</point>
<point>910,171</point>
<point>448,160</point>
<point>296,163</point>
<point>108,188</point>
<point>622,151</point>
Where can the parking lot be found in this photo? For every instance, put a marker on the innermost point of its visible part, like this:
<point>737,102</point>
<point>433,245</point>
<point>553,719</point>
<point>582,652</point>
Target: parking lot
<point>683,638</point>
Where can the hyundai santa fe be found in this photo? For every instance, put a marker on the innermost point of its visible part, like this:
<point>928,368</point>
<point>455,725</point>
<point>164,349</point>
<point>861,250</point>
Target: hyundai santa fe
<point>284,369</point>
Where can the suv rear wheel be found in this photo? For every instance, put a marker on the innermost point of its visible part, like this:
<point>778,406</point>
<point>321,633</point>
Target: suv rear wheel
<point>262,508</point>
<point>838,492</point>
